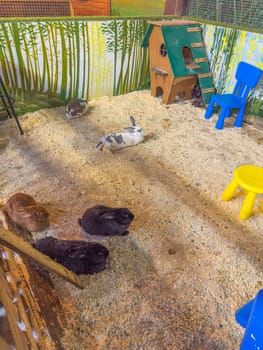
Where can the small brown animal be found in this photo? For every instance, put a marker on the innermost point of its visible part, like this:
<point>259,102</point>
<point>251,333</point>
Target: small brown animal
<point>76,108</point>
<point>24,210</point>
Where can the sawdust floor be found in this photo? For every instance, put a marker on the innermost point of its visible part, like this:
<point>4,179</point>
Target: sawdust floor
<point>188,263</point>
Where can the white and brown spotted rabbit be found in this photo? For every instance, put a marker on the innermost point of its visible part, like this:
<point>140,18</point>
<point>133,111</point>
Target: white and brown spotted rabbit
<point>129,136</point>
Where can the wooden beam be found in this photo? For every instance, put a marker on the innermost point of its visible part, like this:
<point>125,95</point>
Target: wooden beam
<point>191,29</point>
<point>201,59</point>
<point>201,44</point>
<point>17,244</point>
<point>204,75</point>
<point>159,71</point>
<point>206,91</point>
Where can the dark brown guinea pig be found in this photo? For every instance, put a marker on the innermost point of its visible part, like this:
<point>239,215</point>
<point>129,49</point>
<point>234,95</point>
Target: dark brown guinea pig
<point>23,210</point>
<point>106,221</point>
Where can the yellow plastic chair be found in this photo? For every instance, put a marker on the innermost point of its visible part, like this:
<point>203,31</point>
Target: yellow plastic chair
<point>250,179</point>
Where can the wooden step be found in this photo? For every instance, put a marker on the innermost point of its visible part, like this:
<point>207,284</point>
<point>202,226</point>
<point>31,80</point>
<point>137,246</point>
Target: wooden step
<point>193,29</point>
<point>193,66</point>
<point>159,71</point>
<point>201,44</point>
<point>206,91</point>
<point>204,75</point>
<point>202,59</point>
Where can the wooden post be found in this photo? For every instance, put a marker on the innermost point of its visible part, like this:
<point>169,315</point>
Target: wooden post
<point>16,243</point>
<point>176,7</point>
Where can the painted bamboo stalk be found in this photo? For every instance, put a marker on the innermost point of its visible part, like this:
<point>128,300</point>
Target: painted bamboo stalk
<point>69,54</point>
<point>115,56</point>
<point>54,35</point>
<point>33,42</point>
<point>88,61</point>
<point>5,66</point>
<point>9,49</point>
<point>7,72</point>
<point>64,59</point>
<point>51,57</point>
<point>112,30</point>
<point>24,30</point>
<point>136,57</point>
<point>78,53</point>
<point>84,34</point>
<point>16,36</point>
<point>46,66</point>
<point>73,54</point>
<point>123,33</point>
<point>130,45</point>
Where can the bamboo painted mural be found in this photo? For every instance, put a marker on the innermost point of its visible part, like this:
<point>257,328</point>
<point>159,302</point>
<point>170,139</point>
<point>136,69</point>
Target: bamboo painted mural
<point>46,63</point>
<point>131,63</point>
<point>68,58</point>
<point>226,48</point>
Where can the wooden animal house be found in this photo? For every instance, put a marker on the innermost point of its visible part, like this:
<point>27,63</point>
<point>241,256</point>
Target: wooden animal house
<point>178,60</point>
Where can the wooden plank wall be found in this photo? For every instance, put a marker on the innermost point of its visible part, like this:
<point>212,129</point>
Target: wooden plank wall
<point>33,310</point>
<point>33,317</point>
<point>54,8</point>
<point>91,8</point>
<point>30,8</point>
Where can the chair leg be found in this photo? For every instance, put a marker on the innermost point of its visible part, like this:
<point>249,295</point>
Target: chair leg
<point>221,119</point>
<point>228,113</point>
<point>242,314</point>
<point>247,206</point>
<point>239,118</point>
<point>230,191</point>
<point>209,110</point>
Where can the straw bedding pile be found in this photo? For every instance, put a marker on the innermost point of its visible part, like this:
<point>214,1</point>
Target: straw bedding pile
<point>188,263</point>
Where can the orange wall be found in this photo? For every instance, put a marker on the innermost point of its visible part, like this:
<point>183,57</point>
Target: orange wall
<point>91,8</point>
<point>54,8</point>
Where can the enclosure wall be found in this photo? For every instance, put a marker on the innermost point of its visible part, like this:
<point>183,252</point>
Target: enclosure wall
<point>242,12</point>
<point>46,62</point>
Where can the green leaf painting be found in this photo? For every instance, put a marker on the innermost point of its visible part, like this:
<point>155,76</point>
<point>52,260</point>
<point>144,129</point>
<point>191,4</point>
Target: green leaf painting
<point>226,47</point>
<point>131,62</point>
<point>65,59</point>
<point>137,7</point>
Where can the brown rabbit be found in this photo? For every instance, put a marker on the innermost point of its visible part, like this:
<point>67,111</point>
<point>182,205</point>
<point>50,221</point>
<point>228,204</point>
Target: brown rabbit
<point>23,210</point>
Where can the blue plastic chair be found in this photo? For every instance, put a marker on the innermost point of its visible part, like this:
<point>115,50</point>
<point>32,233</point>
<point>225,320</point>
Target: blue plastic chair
<point>250,316</point>
<point>247,77</point>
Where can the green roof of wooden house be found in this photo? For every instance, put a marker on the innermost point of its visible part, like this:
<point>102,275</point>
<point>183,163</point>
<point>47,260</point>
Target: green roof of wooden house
<point>178,34</point>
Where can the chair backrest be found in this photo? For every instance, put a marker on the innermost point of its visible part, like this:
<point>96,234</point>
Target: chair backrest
<point>247,77</point>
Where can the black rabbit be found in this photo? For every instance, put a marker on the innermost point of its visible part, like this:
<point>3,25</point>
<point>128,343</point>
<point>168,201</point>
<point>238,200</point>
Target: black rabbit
<point>79,256</point>
<point>106,221</point>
